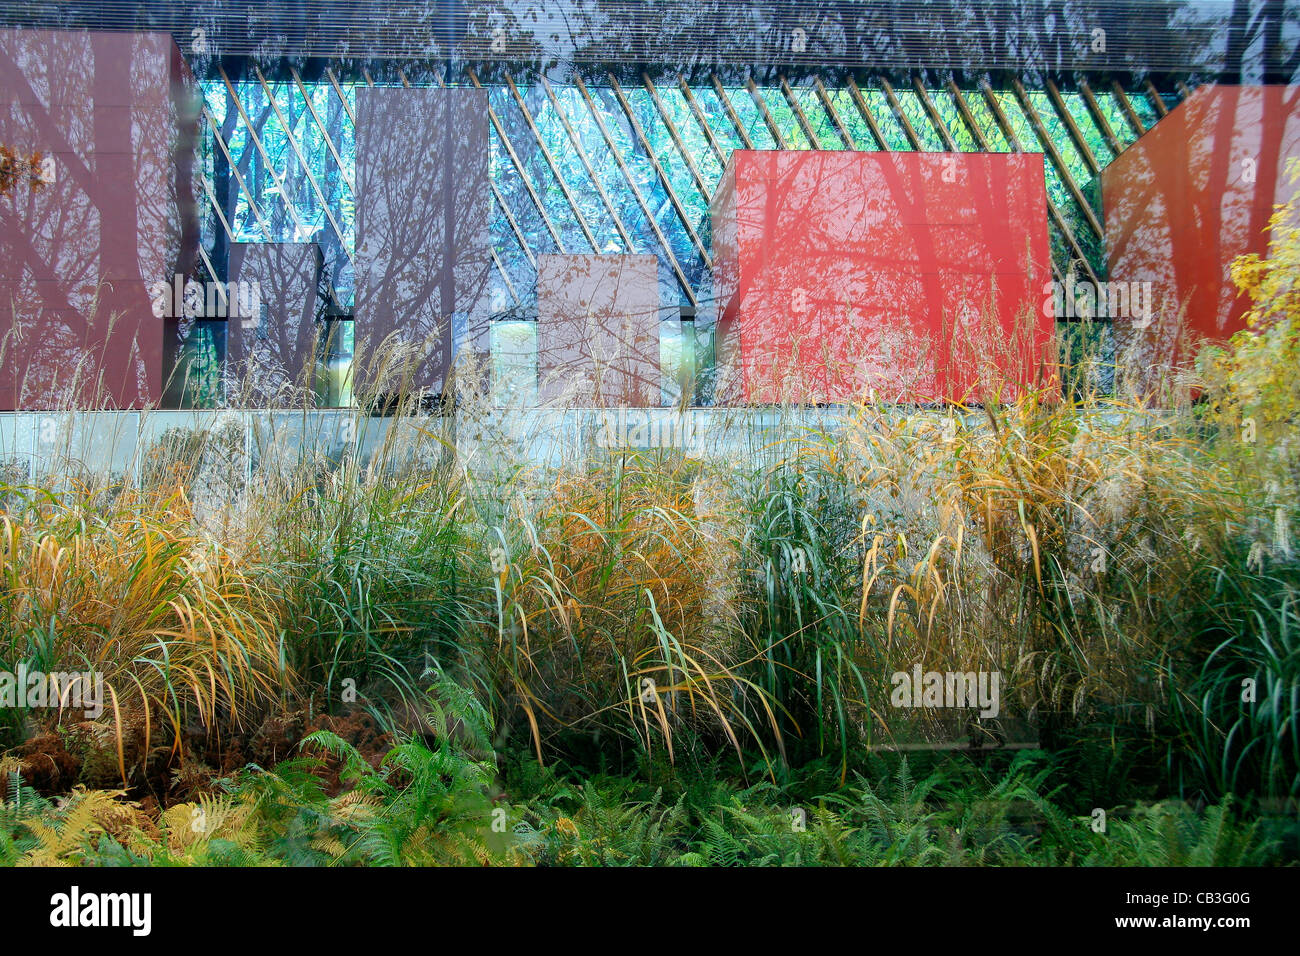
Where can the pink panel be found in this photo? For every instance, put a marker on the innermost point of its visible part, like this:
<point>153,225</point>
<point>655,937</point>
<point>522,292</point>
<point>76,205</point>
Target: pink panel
<point>271,358</point>
<point>78,256</point>
<point>598,331</point>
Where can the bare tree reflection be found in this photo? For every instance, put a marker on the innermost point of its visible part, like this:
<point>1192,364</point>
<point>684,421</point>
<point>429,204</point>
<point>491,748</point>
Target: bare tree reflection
<point>423,253</point>
<point>598,331</point>
<point>911,277</point>
<point>1181,204</point>
<point>77,258</point>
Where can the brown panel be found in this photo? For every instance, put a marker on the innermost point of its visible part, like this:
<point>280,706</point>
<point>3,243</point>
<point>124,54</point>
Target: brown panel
<point>271,357</point>
<point>423,250</point>
<point>598,331</point>
<point>78,256</point>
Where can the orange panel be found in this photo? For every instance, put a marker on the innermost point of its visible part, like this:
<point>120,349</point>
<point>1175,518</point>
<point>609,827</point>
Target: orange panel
<point>1182,203</point>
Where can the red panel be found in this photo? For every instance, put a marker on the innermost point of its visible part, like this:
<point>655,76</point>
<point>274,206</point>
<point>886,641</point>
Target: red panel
<point>916,276</point>
<point>1183,202</point>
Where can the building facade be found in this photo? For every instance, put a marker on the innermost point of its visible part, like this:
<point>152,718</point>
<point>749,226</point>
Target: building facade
<point>425,175</point>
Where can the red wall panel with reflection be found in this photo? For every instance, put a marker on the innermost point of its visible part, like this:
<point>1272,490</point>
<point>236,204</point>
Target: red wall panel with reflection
<point>1183,202</point>
<point>78,256</point>
<point>916,276</point>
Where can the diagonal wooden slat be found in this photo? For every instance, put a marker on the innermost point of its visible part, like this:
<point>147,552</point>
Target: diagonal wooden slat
<point>702,120</point>
<point>968,117</point>
<point>864,110</point>
<point>510,286</point>
<point>731,112</point>
<point>519,167</point>
<point>329,74</point>
<point>343,173</point>
<point>505,210</point>
<point>659,170</point>
<point>1157,100</point>
<point>963,108</point>
<point>550,161</point>
<point>897,109</point>
<point>300,228</point>
<point>685,153</point>
<point>829,106</point>
<point>933,113</point>
<point>311,178</point>
<point>768,120</point>
<point>1080,141</point>
<point>581,150</point>
<point>1055,214</point>
<point>799,114</point>
<point>221,286</point>
<point>239,178</point>
<point>1054,155</point>
<point>1099,117</point>
<point>636,191</point>
<point>216,207</point>
<point>1126,107</point>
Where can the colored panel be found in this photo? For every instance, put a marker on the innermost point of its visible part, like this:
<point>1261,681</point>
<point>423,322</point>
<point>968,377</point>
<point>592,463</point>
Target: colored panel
<point>423,252</point>
<point>916,277</point>
<point>598,331</point>
<point>80,256</point>
<point>1182,203</point>
<point>271,357</point>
